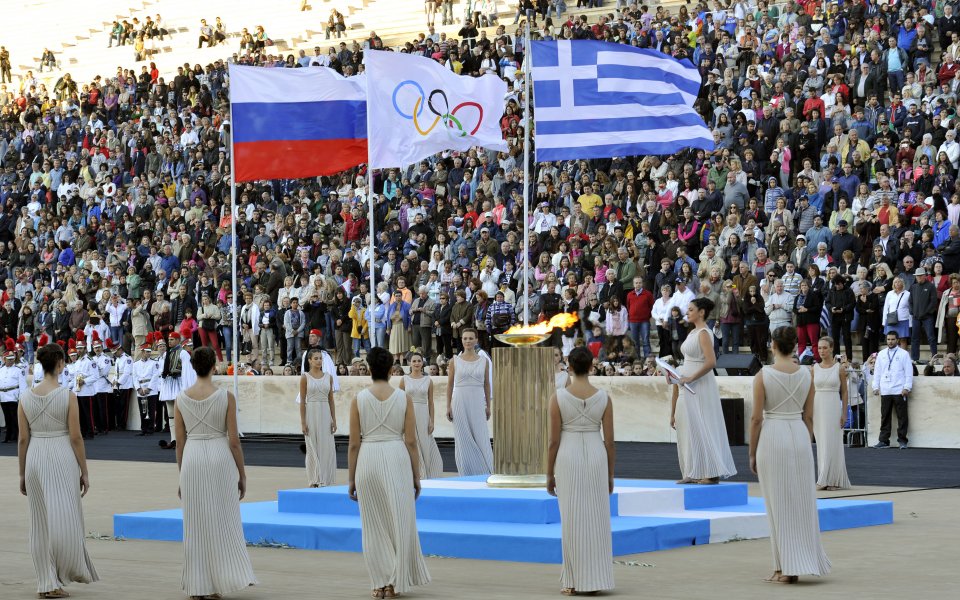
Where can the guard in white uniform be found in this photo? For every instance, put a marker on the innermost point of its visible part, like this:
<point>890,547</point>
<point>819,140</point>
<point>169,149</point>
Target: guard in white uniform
<point>122,386</point>
<point>146,378</point>
<point>85,373</point>
<point>101,385</point>
<point>69,377</point>
<point>12,383</point>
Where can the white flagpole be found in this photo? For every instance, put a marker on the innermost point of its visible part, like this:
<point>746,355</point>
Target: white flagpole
<point>528,56</point>
<point>371,327</point>
<point>233,265</point>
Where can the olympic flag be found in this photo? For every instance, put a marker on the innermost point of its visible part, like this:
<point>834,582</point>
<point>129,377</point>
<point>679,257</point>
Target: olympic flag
<point>293,123</point>
<point>416,108</point>
<point>599,100</point>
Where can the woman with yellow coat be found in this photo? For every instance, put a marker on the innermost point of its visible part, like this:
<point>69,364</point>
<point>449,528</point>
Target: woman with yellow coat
<point>360,333</point>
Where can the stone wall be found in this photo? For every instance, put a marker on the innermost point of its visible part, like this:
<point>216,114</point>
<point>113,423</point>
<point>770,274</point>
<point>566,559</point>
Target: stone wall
<point>642,407</point>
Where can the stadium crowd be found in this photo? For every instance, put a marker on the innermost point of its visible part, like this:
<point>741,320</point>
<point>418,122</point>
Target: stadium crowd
<point>830,202</point>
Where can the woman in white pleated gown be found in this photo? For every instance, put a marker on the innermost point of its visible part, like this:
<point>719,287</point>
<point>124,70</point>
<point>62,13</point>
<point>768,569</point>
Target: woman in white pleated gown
<point>212,483</point>
<point>782,457</point>
<point>829,415</point>
<point>53,476</point>
<point>419,388</point>
<point>385,480</point>
<point>702,446</point>
<point>560,376</point>
<point>580,473</point>
<point>468,407</point>
<point>318,420</point>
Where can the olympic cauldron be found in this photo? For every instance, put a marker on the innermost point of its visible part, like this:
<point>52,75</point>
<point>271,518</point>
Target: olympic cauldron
<point>522,387</point>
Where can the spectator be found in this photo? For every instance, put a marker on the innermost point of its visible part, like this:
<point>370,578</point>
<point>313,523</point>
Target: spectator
<point>840,301</point>
<point>730,315</point>
<point>923,309</point>
<point>294,325</point>
<point>5,66</point>
<point>948,315</point>
<point>337,25</point>
<point>780,304</point>
<point>869,323</point>
<point>896,310</point>
<point>616,324</point>
<point>807,305</point>
<point>948,369</point>
<point>660,315</point>
<point>209,317</point>
<point>639,304</point>
<point>47,59</point>
<point>206,35</point>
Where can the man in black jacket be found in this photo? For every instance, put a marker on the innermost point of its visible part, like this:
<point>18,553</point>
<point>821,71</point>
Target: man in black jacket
<point>180,303</point>
<point>840,302</point>
<point>842,241</point>
<point>923,307</point>
<point>950,251</point>
<point>831,199</point>
<point>864,85</point>
<point>946,25</point>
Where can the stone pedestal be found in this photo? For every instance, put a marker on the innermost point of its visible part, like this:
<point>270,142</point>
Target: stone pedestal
<point>523,382</point>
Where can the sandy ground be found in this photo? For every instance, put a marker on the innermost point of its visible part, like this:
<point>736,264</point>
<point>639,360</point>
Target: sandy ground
<point>915,558</point>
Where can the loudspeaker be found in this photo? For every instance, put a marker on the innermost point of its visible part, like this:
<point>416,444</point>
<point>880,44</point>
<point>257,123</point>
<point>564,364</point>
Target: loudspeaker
<point>738,364</point>
<point>733,420</point>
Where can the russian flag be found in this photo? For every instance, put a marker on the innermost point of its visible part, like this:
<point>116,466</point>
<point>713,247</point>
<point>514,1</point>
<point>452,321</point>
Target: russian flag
<point>295,123</point>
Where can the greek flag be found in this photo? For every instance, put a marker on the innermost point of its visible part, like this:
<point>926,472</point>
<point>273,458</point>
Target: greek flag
<point>599,99</point>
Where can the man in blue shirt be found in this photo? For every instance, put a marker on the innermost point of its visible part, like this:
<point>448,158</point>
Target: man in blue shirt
<point>894,62</point>
<point>849,182</point>
<point>818,233</point>
<point>907,34</point>
<point>864,127</point>
<point>169,262</point>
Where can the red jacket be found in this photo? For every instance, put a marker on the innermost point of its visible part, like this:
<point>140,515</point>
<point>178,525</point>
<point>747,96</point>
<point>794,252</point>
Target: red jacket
<point>813,103</point>
<point>947,72</point>
<point>639,306</point>
<point>353,229</point>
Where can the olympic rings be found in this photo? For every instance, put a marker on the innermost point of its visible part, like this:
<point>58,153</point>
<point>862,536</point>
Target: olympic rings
<point>438,103</point>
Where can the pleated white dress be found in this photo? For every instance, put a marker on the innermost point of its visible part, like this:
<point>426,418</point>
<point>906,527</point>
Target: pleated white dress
<point>560,379</point>
<point>431,463</point>
<point>321,458</point>
<point>53,491</point>
<point>471,434</point>
<point>702,445</point>
<point>384,478</point>
<point>215,559</point>
<point>582,488</point>
<point>785,470</point>
<point>827,411</point>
